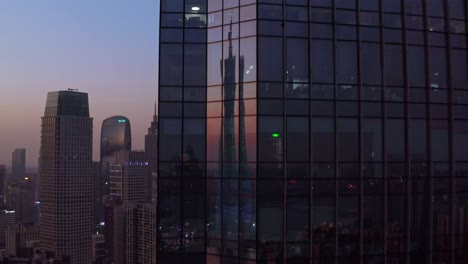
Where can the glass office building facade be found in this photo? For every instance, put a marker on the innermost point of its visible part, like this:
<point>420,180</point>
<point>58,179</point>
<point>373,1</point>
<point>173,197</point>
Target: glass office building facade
<point>313,131</point>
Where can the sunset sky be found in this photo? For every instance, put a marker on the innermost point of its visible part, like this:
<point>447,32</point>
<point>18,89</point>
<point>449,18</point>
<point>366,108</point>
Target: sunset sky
<point>107,48</point>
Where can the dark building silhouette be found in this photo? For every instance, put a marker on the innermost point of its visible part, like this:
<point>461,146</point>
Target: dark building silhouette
<point>2,184</point>
<point>318,131</point>
<point>151,150</point>
<point>18,164</point>
<point>65,177</point>
<point>115,136</point>
<point>21,197</point>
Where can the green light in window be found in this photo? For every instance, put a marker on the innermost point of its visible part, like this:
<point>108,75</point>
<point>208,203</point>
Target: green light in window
<point>121,120</point>
<point>275,135</point>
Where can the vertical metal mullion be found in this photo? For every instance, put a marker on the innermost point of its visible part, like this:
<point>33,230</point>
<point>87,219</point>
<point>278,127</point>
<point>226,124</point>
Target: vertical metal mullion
<point>429,136</point>
<point>311,191</point>
<point>285,133</point>
<point>452,188</point>
<point>360,138</point>
<point>221,177</point>
<point>158,215</point>
<point>384,134</point>
<point>335,139</point>
<point>205,177</point>
<point>239,139</point>
<point>406,140</point>
<point>182,176</point>
<point>256,135</point>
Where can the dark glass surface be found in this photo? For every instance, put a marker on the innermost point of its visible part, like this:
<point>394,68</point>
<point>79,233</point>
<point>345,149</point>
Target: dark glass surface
<point>332,135</point>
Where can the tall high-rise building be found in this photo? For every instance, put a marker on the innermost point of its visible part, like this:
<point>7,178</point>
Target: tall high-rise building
<point>140,246</point>
<point>18,164</point>
<point>128,175</point>
<point>128,183</point>
<point>114,233</point>
<point>6,218</point>
<point>312,131</point>
<point>65,177</point>
<point>21,198</point>
<point>151,150</point>
<point>115,136</point>
<point>98,249</point>
<point>2,184</point>
<point>18,236</point>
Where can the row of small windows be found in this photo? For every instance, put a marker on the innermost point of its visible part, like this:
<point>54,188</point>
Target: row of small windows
<point>431,7</point>
<point>321,130</point>
<point>416,7</point>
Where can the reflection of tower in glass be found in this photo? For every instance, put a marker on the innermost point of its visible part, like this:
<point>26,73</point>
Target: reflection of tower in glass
<point>228,129</point>
<point>230,168</point>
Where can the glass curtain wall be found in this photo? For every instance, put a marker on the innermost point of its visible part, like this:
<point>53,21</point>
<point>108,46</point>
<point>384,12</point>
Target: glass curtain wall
<point>182,132</point>
<point>334,132</point>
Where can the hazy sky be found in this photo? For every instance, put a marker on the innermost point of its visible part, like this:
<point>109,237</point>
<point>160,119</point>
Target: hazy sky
<point>107,48</point>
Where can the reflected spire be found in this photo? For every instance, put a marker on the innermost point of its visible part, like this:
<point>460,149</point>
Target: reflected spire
<point>230,38</point>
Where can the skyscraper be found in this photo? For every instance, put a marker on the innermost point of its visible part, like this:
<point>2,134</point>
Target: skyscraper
<point>2,184</point>
<point>18,164</point>
<point>151,150</point>
<point>6,218</point>
<point>323,131</point>
<point>115,136</point>
<point>128,176</point>
<point>140,233</point>
<point>65,176</point>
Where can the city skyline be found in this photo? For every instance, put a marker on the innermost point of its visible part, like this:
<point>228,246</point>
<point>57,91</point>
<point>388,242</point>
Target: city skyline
<point>107,49</point>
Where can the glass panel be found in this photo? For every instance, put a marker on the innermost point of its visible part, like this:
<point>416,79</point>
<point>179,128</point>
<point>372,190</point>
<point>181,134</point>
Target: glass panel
<point>170,136</point>
<point>274,12</point>
<point>414,7</point>
<point>458,68</point>
<point>456,8</point>
<point>391,6</point>
<point>270,138</point>
<point>347,139</point>
<point>416,73</point>
<point>373,223</point>
<point>417,140</point>
<point>370,64</point>
<point>461,140</point>
<point>324,226</point>
<point>297,68</point>
<point>270,216</point>
<point>213,139</point>
<point>440,140</point>
<point>297,141</point>
<point>322,138</point>
<point>213,64</point>
<point>345,4</point>
<point>348,229</point>
<point>438,68</point>
<point>248,60</point>
<point>371,140</point>
<point>194,65</point>
<point>172,20</point>
<point>435,7</point>
<point>172,59</point>
<point>395,139</point>
<point>172,5</point>
<point>271,67</point>
<point>321,63</point>
<point>194,140</point>
<point>346,62</point>
<point>369,5</point>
